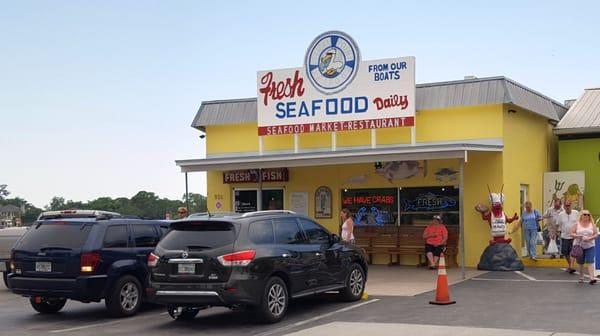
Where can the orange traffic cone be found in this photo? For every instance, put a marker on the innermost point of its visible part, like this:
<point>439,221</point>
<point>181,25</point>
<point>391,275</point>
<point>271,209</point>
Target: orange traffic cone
<point>442,294</point>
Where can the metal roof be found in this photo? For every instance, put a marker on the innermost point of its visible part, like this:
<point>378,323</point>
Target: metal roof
<point>430,96</point>
<point>419,151</point>
<point>10,208</point>
<point>583,116</point>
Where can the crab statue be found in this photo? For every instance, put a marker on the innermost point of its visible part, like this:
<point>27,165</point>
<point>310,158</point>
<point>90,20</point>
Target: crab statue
<point>499,255</point>
<point>497,219</point>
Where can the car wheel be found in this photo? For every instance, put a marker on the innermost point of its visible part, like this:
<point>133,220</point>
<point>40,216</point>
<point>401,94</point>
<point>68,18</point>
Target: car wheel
<point>125,298</point>
<point>5,278</point>
<point>46,305</point>
<point>184,314</point>
<point>274,302</point>
<point>355,284</point>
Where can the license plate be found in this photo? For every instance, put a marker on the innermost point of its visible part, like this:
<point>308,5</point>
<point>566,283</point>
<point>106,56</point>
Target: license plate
<point>186,268</point>
<point>43,266</point>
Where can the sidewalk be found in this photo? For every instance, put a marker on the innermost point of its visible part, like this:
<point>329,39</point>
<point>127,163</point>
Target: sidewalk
<point>384,329</point>
<point>409,280</point>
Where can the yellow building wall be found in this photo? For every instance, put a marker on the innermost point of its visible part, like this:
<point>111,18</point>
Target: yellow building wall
<point>530,151</point>
<point>529,148</point>
<point>460,123</point>
<point>481,169</point>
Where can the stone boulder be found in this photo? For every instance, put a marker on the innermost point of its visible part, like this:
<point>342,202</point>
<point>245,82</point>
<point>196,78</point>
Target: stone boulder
<point>500,257</point>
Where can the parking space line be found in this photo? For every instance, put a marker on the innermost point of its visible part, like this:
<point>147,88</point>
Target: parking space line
<point>88,326</point>
<point>528,277</point>
<point>85,327</point>
<point>523,280</point>
<point>316,318</point>
<point>577,273</point>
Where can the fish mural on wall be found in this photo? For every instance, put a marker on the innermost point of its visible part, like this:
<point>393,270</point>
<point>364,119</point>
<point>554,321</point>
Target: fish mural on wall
<point>446,174</point>
<point>401,170</point>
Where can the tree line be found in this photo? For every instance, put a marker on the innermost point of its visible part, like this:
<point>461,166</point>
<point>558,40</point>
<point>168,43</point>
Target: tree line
<point>144,204</point>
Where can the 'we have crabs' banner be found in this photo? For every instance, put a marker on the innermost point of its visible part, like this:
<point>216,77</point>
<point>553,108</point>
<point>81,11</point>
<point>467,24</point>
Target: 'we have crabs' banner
<point>335,91</point>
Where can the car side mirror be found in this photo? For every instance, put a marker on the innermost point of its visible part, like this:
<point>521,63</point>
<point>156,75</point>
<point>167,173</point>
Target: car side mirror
<point>334,239</point>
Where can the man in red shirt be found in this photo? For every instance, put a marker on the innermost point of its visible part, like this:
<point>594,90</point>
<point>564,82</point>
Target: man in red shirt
<point>436,236</point>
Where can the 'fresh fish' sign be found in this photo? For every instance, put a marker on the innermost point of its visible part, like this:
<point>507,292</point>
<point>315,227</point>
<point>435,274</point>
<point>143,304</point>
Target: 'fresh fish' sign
<point>428,202</point>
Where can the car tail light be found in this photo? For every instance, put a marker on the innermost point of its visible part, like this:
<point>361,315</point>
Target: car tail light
<point>242,258</point>
<point>11,262</point>
<point>89,262</point>
<point>152,260</point>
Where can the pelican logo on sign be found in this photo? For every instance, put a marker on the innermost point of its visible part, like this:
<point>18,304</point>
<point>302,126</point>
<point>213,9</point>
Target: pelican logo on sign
<point>332,61</point>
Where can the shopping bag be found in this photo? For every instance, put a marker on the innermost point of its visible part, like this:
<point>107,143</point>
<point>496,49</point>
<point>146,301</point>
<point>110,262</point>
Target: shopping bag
<point>552,247</point>
<point>540,239</point>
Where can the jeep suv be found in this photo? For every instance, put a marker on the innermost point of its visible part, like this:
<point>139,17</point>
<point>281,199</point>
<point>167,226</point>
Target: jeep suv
<point>257,260</point>
<point>85,259</point>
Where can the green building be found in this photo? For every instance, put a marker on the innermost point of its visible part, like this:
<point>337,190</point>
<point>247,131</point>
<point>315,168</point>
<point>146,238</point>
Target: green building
<point>579,144</point>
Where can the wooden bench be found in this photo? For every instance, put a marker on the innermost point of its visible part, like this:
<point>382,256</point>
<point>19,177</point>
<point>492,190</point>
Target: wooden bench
<point>402,240</point>
<point>384,244</point>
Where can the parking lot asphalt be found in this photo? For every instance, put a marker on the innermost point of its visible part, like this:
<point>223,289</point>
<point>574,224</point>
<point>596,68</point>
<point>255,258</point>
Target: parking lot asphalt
<point>547,300</point>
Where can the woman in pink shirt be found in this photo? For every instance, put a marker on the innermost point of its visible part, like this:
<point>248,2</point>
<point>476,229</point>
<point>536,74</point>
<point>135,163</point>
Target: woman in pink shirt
<point>436,236</point>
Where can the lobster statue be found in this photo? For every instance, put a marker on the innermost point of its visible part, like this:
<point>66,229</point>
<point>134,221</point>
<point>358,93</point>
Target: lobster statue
<point>496,218</point>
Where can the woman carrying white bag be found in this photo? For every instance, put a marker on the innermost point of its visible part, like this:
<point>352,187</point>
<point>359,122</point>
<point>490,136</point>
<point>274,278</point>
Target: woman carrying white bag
<point>552,248</point>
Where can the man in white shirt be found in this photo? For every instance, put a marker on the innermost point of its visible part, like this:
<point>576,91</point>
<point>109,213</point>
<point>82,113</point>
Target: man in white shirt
<point>566,220</point>
<point>551,227</point>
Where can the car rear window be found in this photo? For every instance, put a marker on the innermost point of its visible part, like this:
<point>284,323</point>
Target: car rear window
<point>198,236</point>
<point>67,235</point>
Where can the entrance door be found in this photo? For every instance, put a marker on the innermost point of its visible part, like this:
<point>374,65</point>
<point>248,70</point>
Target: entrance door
<point>524,196</point>
<point>246,200</point>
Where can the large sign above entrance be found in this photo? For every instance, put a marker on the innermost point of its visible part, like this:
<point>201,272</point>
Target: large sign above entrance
<point>336,91</point>
<point>251,175</point>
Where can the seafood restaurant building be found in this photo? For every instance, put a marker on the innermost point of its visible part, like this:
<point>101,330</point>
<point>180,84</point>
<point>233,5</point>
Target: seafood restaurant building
<point>340,132</point>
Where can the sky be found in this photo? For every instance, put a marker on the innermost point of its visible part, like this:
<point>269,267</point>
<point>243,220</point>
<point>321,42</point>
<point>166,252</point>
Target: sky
<point>97,98</point>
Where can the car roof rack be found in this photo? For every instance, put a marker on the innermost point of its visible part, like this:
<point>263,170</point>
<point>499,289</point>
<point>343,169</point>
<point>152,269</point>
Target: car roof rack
<point>268,212</point>
<point>74,213</point>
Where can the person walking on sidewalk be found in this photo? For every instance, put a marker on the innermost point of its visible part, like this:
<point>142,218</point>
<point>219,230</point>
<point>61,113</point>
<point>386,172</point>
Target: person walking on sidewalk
<point>566,221</point>
<point>585,233</point>
<point>530,221</point>
<point>347,226</point>
<point>551,226</point>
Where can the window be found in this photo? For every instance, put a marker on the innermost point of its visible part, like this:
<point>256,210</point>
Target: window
<point>198,236</point>
<point>144,236</point>
<point>247,200</point>
<point>261,232</point>
<point>116,236</point>
<point>418,205</point>
<point>163,231</point>
<point>67,235</point>
<point>372,206</point>
<point>315,233</point>
<point>287,231</point>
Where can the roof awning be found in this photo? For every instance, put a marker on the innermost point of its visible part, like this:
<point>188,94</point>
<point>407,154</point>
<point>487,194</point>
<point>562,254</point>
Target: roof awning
<point>419,151</point>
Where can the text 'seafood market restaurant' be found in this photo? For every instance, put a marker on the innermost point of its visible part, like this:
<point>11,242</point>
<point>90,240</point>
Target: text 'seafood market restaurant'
<point>340,132</point>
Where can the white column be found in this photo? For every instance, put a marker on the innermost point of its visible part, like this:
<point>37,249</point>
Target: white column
<point>461,214</point>
<point>296,140</point>
<point>260,145</point>
<point>333,141</point>
<point>373,138</point>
